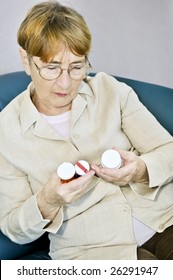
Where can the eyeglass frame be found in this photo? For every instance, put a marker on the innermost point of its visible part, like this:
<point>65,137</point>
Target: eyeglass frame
<point>87,64</point>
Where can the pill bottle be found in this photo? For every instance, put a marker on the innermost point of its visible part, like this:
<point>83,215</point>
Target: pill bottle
<point>82,167</point>
<point>111,159</point>
<point>66,172</point>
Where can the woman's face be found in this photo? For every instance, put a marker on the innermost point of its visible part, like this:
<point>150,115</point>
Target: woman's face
<point>55,97</point>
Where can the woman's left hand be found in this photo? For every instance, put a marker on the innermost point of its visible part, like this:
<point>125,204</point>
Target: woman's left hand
<point>133,169</point>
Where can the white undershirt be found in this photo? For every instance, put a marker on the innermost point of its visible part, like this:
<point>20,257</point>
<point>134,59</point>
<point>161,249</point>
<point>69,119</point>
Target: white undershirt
<point>142,232</point>
<point>61,123</point>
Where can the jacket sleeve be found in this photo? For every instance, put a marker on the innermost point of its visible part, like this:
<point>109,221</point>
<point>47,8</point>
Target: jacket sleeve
<point>20,218</point>
<point>151,141</point>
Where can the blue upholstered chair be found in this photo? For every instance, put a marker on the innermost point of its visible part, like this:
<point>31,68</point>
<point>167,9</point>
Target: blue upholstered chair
<point>158,99</point>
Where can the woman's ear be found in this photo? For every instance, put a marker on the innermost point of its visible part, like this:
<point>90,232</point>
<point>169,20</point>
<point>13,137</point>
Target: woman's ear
<point>25,60</point>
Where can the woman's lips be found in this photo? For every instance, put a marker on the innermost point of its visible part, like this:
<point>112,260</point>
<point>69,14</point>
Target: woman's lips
<point>61,94</point>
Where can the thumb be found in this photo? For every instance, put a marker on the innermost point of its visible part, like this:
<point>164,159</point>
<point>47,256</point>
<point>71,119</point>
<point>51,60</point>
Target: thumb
<point>123,153</point>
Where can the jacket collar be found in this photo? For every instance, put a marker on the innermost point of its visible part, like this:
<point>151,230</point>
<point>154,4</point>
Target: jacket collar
<point>30,116</point>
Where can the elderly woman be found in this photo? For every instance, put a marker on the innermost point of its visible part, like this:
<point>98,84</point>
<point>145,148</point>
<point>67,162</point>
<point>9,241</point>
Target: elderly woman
<point>66,116</point>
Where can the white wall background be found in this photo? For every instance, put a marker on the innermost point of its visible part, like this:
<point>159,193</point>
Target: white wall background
<point>131,38</point>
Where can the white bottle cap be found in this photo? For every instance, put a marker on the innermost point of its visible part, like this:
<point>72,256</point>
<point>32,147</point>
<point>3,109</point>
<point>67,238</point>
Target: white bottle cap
<point>111,159</point>
<point>82,167</point>
<point>66,171</point>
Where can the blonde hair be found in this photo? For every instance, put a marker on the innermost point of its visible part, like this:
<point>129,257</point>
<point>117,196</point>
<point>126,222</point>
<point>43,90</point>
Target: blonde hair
<point>48,25</point>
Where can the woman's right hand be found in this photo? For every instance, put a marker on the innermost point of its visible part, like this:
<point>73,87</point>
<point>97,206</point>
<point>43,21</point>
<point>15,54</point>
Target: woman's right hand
<point>55,194</point>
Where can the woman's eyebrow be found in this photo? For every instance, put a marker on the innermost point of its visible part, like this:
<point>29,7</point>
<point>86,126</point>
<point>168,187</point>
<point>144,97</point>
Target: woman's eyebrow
<point>73,62</point>
<point>54,62</point>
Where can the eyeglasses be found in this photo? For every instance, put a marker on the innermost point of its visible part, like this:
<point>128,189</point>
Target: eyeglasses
<point>76,71</point>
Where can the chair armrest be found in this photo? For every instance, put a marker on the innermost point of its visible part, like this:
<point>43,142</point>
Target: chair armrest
<point>11,251</point>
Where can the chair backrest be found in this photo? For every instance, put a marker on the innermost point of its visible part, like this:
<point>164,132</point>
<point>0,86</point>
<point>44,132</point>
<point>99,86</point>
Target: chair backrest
<point>158,99</point>
<point>11,85</point>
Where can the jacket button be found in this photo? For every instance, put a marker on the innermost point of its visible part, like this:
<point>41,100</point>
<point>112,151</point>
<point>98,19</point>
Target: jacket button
<point>126,208</point>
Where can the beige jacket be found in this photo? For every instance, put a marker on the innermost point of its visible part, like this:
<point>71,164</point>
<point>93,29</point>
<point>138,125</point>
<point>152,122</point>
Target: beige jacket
<point>105,113</point>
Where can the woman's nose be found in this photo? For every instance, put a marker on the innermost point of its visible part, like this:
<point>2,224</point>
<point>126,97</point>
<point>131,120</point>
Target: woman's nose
<point>64,80</point>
